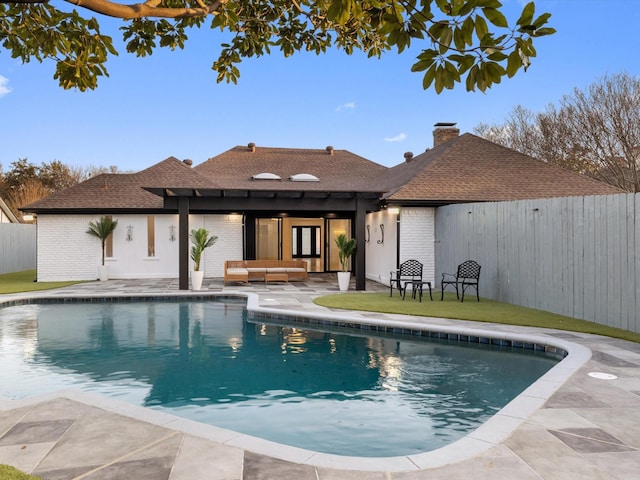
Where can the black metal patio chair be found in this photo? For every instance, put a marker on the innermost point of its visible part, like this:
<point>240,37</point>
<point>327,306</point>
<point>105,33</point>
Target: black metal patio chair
<point>408,271</point>
<point>468,275</point>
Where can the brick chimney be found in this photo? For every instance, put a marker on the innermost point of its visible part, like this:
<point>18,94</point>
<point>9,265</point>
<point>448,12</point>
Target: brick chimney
<point>444,132</point>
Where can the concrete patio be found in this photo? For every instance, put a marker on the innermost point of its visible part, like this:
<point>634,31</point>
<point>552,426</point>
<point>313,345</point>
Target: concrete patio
<point>585,428</point>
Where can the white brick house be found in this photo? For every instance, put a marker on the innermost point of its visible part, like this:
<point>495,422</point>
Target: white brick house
<point>286,203</point>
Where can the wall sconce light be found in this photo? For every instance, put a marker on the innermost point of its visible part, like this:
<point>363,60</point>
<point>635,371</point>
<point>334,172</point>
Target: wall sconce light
<point>129,233</point>
<point>172,233</point>
<point>368,234</point>
<point>394,210</point>
<point>381,242</point>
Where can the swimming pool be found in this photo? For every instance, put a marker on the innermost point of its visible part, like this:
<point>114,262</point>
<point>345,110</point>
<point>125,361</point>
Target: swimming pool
<point>374,395</point>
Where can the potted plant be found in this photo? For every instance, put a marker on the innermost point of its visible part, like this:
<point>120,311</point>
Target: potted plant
<point>200,240</point>
<point>346,247</point>
<point>102,229</point>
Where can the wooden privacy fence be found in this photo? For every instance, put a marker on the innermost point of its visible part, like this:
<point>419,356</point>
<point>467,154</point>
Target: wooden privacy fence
<point>17,247</point>
<point>576,256</point>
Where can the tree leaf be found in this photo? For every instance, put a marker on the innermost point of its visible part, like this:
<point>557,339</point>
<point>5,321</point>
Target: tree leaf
<point>467,30</point>
<point>541,20</point>
<point>541,32</point>
<point>482,29</point>
<point>513,63</point>
<point>527,14</point>
<point>429,76</point>
<point>495,17</point>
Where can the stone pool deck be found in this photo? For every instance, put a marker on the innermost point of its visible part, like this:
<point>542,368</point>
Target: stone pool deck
<point>581,428</point>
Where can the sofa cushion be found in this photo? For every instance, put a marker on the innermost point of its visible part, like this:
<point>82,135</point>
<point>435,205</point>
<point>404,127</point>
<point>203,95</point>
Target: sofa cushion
<point>276,270</point>
<point>237,271</point>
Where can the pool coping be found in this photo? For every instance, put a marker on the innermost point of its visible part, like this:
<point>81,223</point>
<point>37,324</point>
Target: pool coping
<point>490,434</point>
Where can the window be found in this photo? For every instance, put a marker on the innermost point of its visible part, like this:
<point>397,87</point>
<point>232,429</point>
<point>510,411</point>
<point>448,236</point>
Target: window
<point>108,244</point>
<point>305,242</point>
<point>151,236</point>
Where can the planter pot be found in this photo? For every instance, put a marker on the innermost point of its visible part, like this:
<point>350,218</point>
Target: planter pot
<point>196,280</point>
<point>103,272</point>
<point>343,280</point>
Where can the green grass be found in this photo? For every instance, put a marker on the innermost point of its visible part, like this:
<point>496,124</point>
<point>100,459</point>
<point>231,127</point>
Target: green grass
<point>25,282</point>
<point>9,473</point>
<point>483,311</point>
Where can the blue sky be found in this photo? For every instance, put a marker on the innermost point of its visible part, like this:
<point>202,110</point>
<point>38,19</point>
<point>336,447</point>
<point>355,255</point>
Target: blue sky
<point>169,104</point>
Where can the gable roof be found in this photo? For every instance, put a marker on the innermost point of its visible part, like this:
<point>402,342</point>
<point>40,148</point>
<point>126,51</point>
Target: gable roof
<point>336,170</point>
<point>6,215</point>
<point>471,169</point>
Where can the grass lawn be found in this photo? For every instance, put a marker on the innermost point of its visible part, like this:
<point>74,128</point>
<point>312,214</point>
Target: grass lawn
<point>10,473</point>
<point>483,311</point>
<point>25,282</point>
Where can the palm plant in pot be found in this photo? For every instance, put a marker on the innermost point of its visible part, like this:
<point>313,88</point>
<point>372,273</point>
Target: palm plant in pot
<point>200,241</point>
<point>101,229</point>
<point>346,248</point>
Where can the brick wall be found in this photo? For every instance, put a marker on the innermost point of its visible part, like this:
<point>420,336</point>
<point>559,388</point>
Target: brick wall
<point>228,229</point>
<point>65,251</point>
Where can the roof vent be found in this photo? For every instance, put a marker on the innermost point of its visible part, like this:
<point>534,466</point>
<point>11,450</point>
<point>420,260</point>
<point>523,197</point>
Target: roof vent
<point>266,176</point>
<point>304,177</point>
<point>329,150</point>
<point>187,162</point>
<point>408,156</point>
<point>252,147</point>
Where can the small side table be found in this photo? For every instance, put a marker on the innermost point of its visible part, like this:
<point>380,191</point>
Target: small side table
<point>416,287</point>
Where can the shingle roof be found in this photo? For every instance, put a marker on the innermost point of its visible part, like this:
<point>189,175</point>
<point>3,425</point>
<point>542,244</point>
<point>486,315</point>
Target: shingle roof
<point>465,169</point>
<point>339,171</point>
<point>123,190</point>
<point>172,173</point>
<point>469,168</point>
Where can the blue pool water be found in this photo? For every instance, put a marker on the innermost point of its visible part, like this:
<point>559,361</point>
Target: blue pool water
<point>346,394</point>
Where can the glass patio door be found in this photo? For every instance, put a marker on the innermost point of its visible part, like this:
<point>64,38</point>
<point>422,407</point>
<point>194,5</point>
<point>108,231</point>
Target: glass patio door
<point>336,226</point>
<point>268,238</point>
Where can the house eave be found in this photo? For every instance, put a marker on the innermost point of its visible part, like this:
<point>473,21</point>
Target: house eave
<point>425,203</point>
<point>97,211</point>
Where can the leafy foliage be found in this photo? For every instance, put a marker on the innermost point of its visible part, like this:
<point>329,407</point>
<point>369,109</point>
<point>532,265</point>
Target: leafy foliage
<point>200,240</point>
<point>26,182</point>
<point>346,248</point>
<point>595,131</point>
<point>468,41</point>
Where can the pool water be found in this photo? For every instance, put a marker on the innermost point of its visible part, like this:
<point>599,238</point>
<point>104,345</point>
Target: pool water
<point>338,393</point>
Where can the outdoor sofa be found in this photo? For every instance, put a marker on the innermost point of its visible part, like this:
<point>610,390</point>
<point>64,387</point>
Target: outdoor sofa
<point>265,270</point>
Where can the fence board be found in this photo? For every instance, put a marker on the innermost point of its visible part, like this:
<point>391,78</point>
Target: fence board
<point>17,247</point>
<point>635,321</point>
<point>575,256</point>
<point>601,253</point>
<point>578,241</point>
<point>589,259</point>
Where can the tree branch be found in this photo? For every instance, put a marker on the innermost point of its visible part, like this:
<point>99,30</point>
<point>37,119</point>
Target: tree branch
<point>148,9</point>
